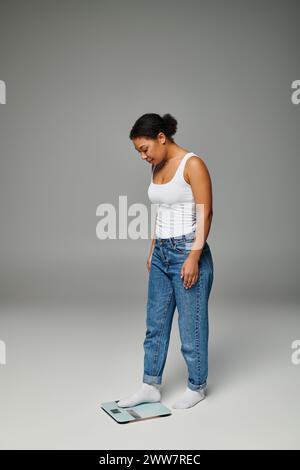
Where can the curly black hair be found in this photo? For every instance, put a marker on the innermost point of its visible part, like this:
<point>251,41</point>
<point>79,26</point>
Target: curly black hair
<point>150,124</point>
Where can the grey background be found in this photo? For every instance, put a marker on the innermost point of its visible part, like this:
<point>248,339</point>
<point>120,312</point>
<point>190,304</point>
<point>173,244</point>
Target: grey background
<point>72,312</point>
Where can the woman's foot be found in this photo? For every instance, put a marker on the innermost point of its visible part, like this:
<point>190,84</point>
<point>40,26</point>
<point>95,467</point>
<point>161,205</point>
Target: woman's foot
<point>189,398</point>
<point>146,394</point>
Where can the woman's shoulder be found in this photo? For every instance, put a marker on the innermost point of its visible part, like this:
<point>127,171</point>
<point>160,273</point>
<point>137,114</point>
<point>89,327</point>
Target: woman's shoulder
<point>195,164</point>
<point>195,161</point>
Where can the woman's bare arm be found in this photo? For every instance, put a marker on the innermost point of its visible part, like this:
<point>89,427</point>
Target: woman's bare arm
<point>201,185</point>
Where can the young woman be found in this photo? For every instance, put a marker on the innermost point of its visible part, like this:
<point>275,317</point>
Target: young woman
<point>180,263</point>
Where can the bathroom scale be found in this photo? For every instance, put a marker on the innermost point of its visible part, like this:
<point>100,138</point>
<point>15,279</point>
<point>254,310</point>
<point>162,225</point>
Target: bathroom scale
<point>135,413</point>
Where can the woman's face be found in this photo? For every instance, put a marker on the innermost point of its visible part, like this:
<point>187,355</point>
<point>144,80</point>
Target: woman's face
<point>151,150</point>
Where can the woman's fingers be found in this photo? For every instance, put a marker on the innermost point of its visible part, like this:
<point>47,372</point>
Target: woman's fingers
<point>189,279</point>
<point>188,282</point>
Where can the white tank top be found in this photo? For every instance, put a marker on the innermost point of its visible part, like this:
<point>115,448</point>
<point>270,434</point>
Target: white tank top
<point>175,204</point>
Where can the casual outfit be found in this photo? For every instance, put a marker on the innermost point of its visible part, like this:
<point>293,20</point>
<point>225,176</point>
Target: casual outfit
<point>176,208</point>
<point>174,235</point>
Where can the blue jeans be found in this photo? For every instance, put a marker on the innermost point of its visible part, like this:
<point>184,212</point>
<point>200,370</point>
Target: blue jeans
<point>166,291</point>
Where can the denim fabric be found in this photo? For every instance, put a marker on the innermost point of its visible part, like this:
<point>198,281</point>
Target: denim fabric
<point>166,291</point>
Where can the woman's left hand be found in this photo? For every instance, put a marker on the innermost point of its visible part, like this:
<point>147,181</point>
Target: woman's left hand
<point>189,272</point>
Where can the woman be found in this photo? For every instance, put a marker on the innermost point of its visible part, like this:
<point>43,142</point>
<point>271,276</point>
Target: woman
<point>180,263</point>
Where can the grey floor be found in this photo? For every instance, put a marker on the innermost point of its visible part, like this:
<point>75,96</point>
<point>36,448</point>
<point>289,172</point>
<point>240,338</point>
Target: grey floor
<point>63,361</point>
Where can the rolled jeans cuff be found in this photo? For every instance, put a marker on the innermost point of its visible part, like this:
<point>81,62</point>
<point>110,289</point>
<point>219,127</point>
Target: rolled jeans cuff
<point>151,379</point>
<point>197,387</point>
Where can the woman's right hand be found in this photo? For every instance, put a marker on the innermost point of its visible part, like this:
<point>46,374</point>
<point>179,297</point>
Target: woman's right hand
<point>149,261</point>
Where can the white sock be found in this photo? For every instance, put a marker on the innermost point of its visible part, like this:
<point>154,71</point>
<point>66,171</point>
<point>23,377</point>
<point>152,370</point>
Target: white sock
<point>189,398</point>
<point>147,393</point>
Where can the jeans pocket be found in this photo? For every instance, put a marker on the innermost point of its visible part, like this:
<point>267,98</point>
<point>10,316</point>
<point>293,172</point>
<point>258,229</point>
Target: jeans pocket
<point>183,246</point>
